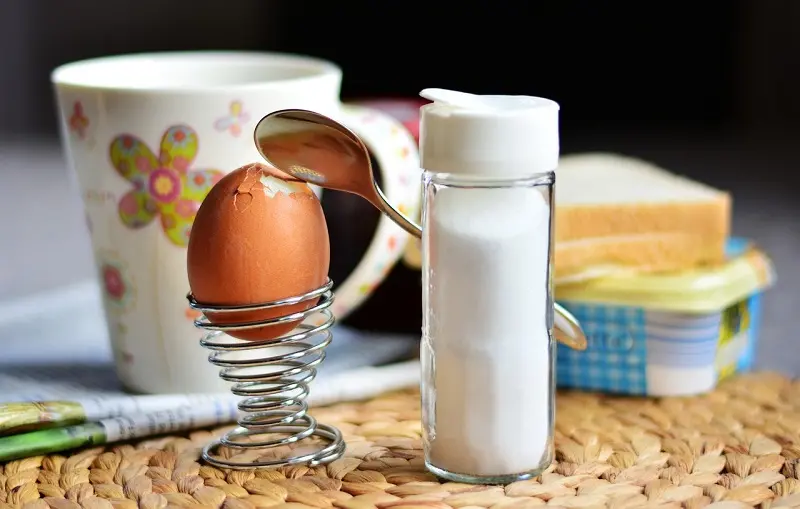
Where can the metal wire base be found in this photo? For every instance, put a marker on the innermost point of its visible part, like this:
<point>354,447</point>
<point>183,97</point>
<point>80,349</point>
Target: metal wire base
<point>273,377</point>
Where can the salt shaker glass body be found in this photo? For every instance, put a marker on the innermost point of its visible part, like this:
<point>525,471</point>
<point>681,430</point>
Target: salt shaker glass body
<point>488,349</point>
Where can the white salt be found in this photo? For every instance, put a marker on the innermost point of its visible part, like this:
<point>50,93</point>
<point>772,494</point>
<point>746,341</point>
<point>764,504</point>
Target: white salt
<point>486,347</point>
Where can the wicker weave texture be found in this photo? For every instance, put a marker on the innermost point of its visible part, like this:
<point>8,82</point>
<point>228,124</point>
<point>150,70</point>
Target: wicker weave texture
<point>736,447</point>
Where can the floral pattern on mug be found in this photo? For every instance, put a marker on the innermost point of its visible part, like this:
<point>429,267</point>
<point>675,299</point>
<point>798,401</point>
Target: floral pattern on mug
<point>78,121</point>
<point>192,314</point>
<point>118,289</point>
<point>114,284</point>
<point>163,186</point>
<point>119,295</point>
<point>234,120</point>
<point>122,350</point>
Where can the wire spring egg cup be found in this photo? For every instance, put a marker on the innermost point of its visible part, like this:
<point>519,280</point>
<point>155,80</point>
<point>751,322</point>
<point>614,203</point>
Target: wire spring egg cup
<point>273,377</point>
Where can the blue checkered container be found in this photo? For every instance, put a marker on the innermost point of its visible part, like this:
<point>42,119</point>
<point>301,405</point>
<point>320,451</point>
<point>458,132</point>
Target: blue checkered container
<point>667,334</point>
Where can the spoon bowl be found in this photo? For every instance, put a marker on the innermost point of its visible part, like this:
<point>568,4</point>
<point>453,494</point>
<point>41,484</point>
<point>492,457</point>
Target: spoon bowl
<point>318,150</point>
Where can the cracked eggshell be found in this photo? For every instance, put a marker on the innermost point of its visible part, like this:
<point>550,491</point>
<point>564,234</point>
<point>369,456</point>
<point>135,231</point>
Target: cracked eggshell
<point>259,236</point>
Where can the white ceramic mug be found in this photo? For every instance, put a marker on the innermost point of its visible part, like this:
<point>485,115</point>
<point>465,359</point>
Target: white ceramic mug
<point>147,135</point>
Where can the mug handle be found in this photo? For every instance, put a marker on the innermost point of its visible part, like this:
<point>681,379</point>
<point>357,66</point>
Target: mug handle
<point>397,156</point>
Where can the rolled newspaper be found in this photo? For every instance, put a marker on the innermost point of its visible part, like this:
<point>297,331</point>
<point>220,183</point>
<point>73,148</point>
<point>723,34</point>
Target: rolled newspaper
<point>63,425</point>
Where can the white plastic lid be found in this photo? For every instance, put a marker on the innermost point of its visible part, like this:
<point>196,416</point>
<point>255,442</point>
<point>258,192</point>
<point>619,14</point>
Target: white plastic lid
<point>488,135</point>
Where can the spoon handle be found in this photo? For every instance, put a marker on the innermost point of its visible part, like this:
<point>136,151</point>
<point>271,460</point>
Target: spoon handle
<point>402,221</point>
<point>567,329</point>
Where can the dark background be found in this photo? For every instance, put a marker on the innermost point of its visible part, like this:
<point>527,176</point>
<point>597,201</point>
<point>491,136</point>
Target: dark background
<point>709,89</point>
<point>688,65</point>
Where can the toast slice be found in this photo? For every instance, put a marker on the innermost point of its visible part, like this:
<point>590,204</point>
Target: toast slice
<point>617,214</point>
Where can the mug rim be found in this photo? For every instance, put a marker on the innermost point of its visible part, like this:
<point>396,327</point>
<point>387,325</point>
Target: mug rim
<point>302,69</point>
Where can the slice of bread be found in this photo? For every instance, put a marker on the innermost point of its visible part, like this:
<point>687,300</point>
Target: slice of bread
<point>617,214</point>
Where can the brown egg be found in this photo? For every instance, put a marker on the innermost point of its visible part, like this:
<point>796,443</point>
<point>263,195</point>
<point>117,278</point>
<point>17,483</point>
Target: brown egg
<point>259,236</point>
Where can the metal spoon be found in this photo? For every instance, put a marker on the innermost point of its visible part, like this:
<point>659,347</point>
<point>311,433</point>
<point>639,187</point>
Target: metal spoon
<point>316,149</point>
<point>319,150</point>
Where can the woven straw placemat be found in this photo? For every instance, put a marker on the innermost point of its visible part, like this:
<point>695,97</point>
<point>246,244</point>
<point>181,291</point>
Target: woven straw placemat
<point>736,447</point>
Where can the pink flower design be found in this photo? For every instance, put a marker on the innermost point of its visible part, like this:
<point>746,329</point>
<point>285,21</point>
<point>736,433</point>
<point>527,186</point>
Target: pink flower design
<point>186,208</point>
<point>234,120</point>
<point>192,314</point>
<point>163,185</point>
<point>114,283</point>
<point>78,122</point>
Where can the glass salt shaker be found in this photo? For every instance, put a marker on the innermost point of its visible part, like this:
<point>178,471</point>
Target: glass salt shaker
<point>487,346</point>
